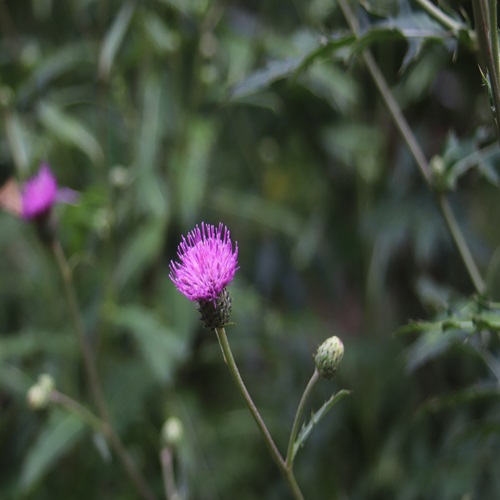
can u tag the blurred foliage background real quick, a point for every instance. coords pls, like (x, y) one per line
(166, 113)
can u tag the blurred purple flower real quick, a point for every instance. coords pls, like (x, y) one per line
(207, 263)
(40, 193)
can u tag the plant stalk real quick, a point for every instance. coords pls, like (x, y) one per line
(485, 19)
(93, 379)
(233, 369)
(418, 155)
(298, 418)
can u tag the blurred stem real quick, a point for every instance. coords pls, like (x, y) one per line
(93, 379)
(231, 364)
(167, 467)
(417, 153)
(78, 409)
(440, 16)
(298, 418)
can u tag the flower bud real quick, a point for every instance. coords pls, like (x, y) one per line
(172, 432)
(328, 357)
(38, 395)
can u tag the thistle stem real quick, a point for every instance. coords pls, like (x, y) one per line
(298, 418)
(78, 409)
(233, 369)
(93, 379)
(167, 467)
(440, 16)
(485, 20)
(418, 155)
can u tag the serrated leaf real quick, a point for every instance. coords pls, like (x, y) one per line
(315, 418)
(487, 320)
(57, 437)
(161, 348)
(435, 342)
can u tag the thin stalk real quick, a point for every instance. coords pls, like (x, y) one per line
(233, 369)
(93, 379)
(461, 244)
(167, 467)
(417, 153)
(486, 29)
(494, 37)
(298, 418)
(440, 16)
(78, 409)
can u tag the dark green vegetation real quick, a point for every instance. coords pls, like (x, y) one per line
(263, 115)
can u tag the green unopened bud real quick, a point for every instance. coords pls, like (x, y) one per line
(38, 395)
(328, 357)
(172, 432)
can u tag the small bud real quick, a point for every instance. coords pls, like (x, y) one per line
(328, 357)
(172, 432)
(38, 395)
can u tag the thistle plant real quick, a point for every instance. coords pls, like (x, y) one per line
(34, 202)
(207, 265)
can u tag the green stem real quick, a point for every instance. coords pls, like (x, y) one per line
(417, 153)
(93, 379)
(233, 369)
(461, 244)
(78, 409)
(487, 33)
(440, 16)
(298, 418)
(494, 38)
(167, 467)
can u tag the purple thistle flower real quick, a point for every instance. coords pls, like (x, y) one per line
(207, 263)
(40, 193)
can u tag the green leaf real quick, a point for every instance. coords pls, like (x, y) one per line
(14, 380)
(315, 418)
(114, 38)
(142, 247)
(17, 138)
(263, 78)
(161, 348)
(70, 130)
(29, 342)
(435, 341)
(70, 58)
(57, 437)
(192, 166)
(259, 210)
(382, 8)
(458, 399)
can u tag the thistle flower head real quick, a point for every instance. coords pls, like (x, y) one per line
(39, 193)
(207, 264)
